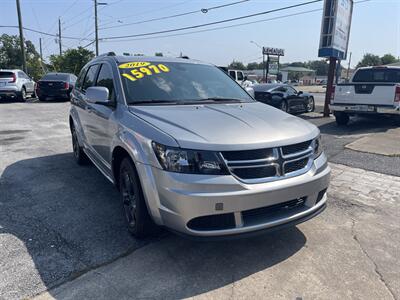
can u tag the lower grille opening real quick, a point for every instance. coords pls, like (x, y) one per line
(252, 173)
(320, 195)
(212, 222)
(257, 215)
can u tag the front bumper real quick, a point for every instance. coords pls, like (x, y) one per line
(370, 109)
(184, 203)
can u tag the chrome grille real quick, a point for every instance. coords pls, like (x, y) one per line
(270, 164)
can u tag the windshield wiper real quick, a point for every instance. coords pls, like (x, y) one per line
(222, 99)
(153, 101)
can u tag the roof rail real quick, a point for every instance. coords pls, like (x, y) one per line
(111, 53)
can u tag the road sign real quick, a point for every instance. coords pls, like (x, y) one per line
(335, 28)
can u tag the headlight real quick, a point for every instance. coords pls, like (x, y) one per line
(317, 145)
(189, 161)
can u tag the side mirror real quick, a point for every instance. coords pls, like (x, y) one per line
(245, 78)
(98, 95)
(299, 92)
(250, 91)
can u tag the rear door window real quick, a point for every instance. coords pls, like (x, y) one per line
(240, 75)
(384, 75)
(232, 74)
(90, 77)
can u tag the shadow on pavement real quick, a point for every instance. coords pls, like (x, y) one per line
(357, 125)
(70, 220)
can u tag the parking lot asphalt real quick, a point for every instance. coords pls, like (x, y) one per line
(59, 221)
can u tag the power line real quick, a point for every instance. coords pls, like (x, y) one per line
(41, 32)
(230, 26)
(203, 10)
(212, 23)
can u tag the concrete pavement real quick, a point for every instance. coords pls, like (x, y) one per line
(349, 252)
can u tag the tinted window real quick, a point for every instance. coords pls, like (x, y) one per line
(79, 82)
(377, 75)
(291, 91)
(232, 74)
(22, 75)
(240, 75)
(55, 77)
(105, 79)
(90, 77)
(6, 74)
(178, 81)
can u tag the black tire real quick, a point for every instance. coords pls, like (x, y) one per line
(79, 154)
(139, 221)
(310, 106)
(342, 119)
(22, 95)
(284, 106)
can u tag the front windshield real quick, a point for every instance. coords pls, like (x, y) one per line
(177, 82)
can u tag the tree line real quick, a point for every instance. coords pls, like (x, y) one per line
(321, 66)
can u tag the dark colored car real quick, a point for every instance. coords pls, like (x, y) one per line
(55, 86)
(284, 97)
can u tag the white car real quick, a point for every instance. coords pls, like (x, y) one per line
(16, 84)
(372, 90)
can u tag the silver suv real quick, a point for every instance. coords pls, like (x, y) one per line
(190, 150)
(16, 84)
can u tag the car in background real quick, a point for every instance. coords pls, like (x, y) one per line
(16, 84)
(371, 91)
(284, 97)
(55, 86)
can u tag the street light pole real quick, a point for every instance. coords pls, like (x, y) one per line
(59, 35)
(21, 37)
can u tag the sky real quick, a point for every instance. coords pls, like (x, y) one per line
(375, 27)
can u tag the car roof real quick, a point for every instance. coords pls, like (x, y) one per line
(58, 73)
(379, 67)
(124, 59)
(10, 70)
(267, 86)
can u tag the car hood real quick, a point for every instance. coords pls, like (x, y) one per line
(227, 126)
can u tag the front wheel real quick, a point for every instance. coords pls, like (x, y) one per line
(22, 95)
(284, 106)
(310, 107)
(139, 221)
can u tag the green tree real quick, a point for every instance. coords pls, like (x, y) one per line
(236, 65)
(71, 61)
(11, 58)
(369, 60)
(320, 67)
(388, 59)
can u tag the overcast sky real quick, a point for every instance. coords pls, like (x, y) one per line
(375, 27)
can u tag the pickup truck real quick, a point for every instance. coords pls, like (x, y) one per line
(372, 90)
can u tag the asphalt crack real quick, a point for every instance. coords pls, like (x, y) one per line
(376, 269)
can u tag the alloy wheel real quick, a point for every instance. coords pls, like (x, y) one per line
(128, 198)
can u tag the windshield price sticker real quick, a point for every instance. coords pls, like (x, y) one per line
(141, 69)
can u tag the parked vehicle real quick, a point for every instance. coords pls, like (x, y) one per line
(372, 90)
(55, 86)
(16, 84)
(190, 150)
(237, 75)
(284, 97)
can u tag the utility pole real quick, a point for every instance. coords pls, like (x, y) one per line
(348, 68)
(21, 37)
(59, 35)
(96, 30)
(41, 53)
(40, 48)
